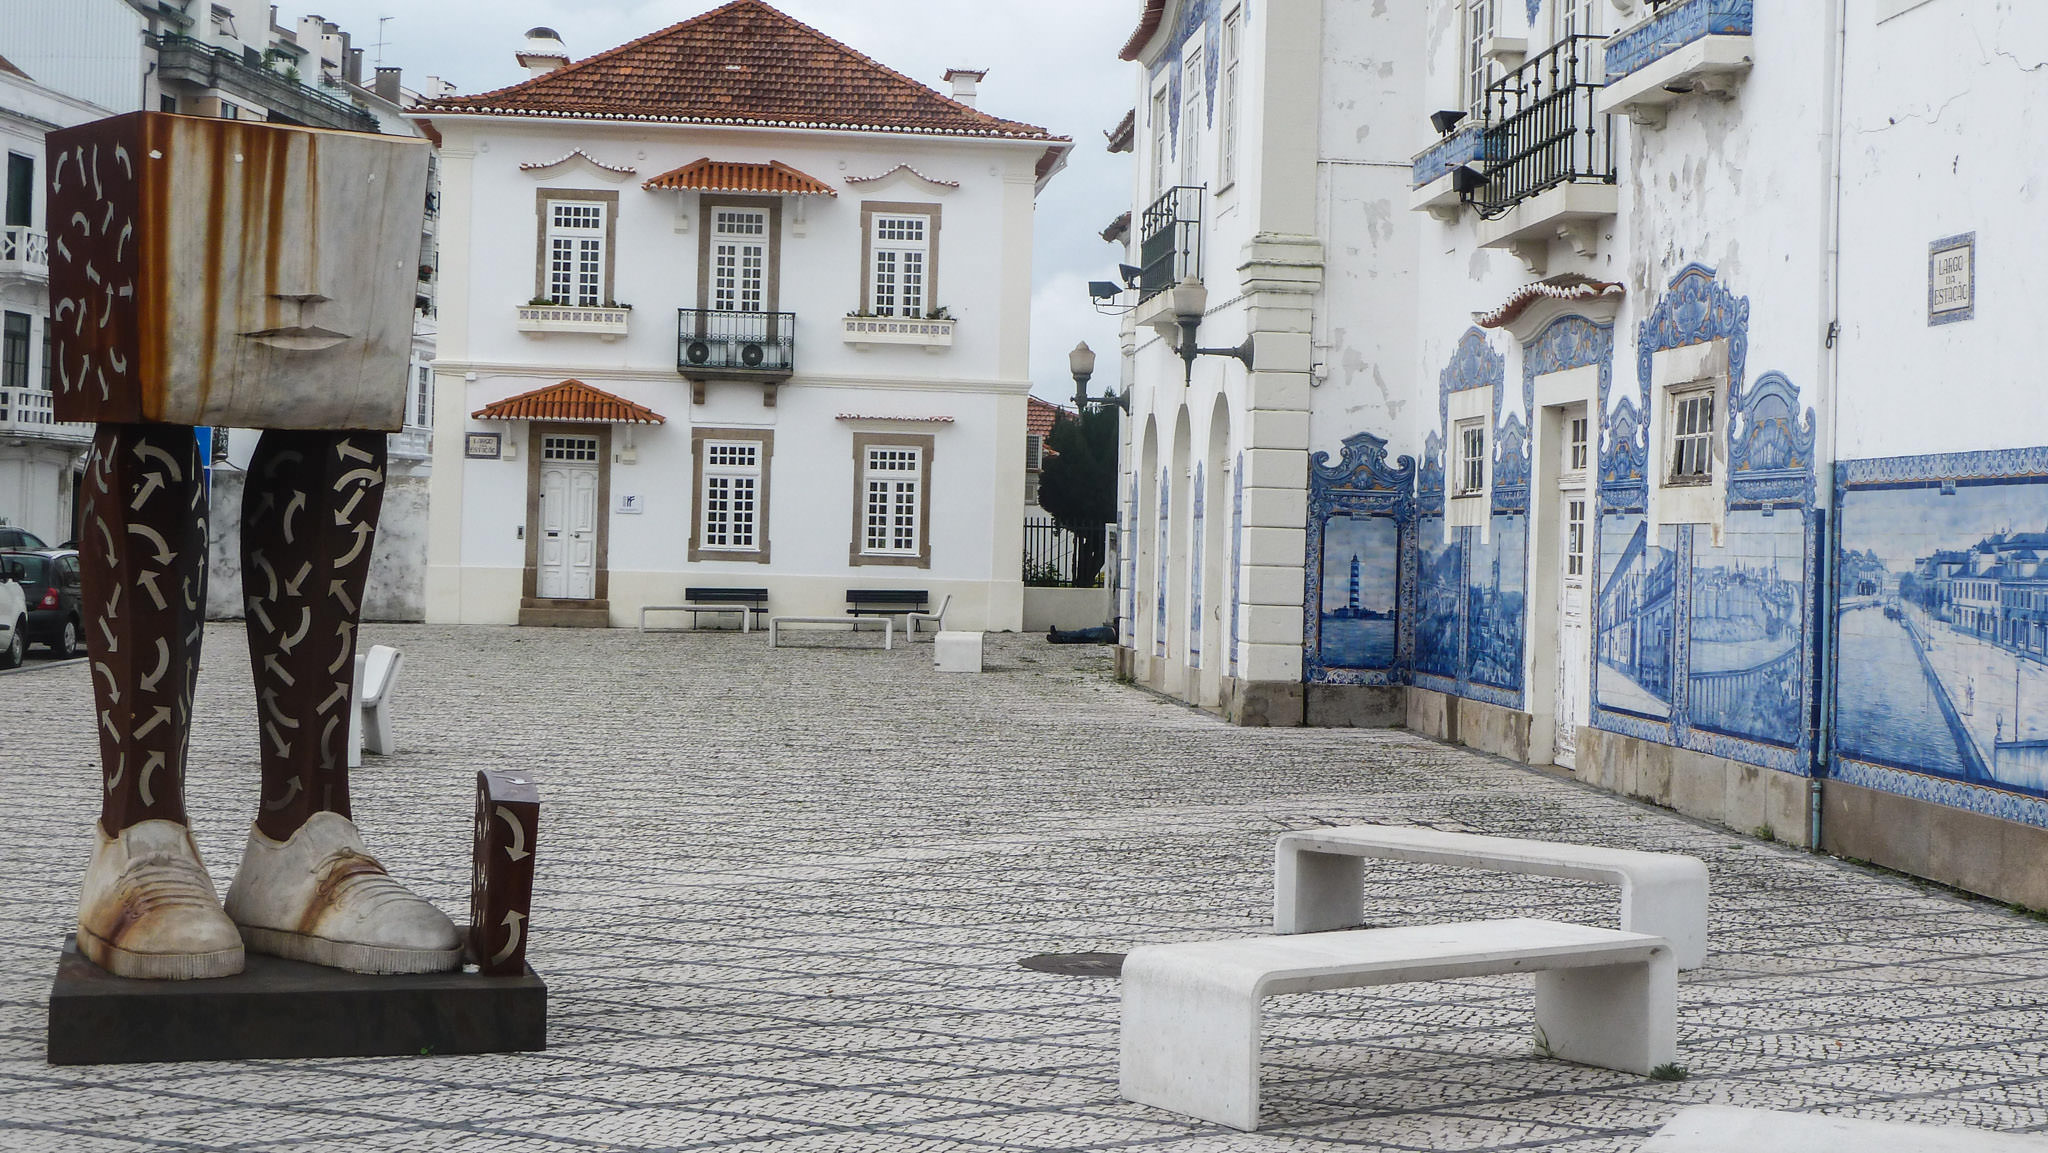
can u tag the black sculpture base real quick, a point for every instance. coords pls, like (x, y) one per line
(278, 1008)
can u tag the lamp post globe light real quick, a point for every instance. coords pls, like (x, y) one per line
(1081, 362)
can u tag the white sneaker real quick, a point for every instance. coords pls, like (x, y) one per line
(148, 909)
(321, 897)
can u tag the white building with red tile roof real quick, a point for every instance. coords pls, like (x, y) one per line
(730, 305)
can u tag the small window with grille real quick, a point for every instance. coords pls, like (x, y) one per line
(568, 448)
(1471, 462)
(1576, 449)
(1692, 436)
(892, 501)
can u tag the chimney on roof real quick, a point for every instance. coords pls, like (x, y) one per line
(964, 82)
(388, 87)
(543, 52)
(352, 67)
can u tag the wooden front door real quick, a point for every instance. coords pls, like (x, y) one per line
(568, 517)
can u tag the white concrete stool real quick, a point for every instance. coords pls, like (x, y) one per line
(956, 652)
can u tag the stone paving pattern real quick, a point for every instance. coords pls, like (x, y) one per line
(810, 942)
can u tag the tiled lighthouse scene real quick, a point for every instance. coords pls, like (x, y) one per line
(1101, 575)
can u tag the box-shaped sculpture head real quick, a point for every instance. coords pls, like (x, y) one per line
(228, 272)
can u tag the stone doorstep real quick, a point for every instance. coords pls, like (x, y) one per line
(538, 612)
(280, 1008)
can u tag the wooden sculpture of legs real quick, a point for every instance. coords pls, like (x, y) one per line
(307, 888)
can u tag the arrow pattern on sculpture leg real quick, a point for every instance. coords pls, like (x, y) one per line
(309, 522)
(145, 508)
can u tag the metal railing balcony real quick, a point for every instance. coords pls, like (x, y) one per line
(25, 251)
(715, 343)
(1170, 241)
(195, 61)
(1541, 127)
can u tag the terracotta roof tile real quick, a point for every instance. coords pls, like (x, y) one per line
(1040, 415)
(740, 63)
(708, 175)
(1568, 286)
(571, 400)
(1148, 23)
(1124, 136)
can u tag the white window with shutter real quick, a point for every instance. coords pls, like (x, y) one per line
(893, 484)
(1476, 66)
(901, 272)
(575, 252)
(1471, 472)
(729, 516)
(1193, 93)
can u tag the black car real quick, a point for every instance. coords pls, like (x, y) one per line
(49, 584)
(20, 538)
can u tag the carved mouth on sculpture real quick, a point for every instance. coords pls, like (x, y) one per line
(297, 338)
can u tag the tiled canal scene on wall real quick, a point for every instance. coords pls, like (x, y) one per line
(1747, 627)
(1943, 621)
(1440, 567)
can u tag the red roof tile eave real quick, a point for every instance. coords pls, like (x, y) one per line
(442, 114)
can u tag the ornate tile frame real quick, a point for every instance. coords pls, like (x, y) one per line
(1771, 467)
(1359, 485)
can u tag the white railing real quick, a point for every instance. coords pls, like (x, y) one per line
(898, 330)
(24, 250)
(28, 410)
(536, 318)
(415, 440)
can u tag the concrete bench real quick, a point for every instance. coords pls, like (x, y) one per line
(369, 723)
(748, 602)
(1190, 1034)
(1727, 1129)
(935, 619)
(775, 627)
(1318, 877)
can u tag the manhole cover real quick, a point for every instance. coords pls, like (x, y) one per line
(1077, 964)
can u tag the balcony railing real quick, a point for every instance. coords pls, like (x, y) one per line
(1541, 127)
(1170, 241)
(711, 343)
(608, 321)
(27, 411)
(195, 61)
(930, 333)
(25, 251)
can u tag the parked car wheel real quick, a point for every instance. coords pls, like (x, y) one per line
(66, 645)
(11, 657)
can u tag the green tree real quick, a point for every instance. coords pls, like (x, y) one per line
(1077, 485)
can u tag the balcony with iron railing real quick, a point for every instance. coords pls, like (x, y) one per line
(1549, 155)
(713, 344)
(1170, 241)
(1680, 47)
(24, 252)
(182, 59)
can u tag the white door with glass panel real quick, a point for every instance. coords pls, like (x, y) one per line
(568, 517)
(1574, 576)
(576, 264)
(902, 268)
(739, 256)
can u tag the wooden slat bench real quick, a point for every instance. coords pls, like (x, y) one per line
(886, 602)
(747, 602)
(1190, 1035)
(1318, 877)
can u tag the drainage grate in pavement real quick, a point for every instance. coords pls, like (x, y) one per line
(1077, 964)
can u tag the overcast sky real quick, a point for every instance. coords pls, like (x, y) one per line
(1050, 62)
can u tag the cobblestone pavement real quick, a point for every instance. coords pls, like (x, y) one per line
(783, 894)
